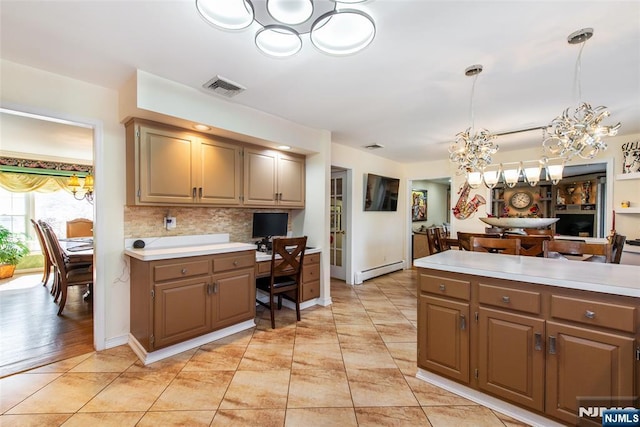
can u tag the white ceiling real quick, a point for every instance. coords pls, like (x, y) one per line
(407, 91)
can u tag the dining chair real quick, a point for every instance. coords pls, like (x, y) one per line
(617, 243)
(539, 232)
(495, 245)
(46, 255)
(599, 252)
(464, 239)
(67, 270)
(80, 227)
(530, 245)
(432, 238)
(67, 275)
(442, 240)
(287, 256)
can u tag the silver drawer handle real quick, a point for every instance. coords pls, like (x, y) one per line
(183, 271)
(590, 314)
(442, 287)
(506, 299)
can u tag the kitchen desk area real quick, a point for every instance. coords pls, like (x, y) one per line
(190, 290)
(528, 336)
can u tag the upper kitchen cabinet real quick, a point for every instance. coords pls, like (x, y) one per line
(272, 178)
(172, 166)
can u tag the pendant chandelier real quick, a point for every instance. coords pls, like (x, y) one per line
(579, 131)
(472, 150)
(332, 29)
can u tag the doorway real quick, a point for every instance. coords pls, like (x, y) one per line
(338, 226)
(50, 139)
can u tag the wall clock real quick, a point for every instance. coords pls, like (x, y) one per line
(521, 200)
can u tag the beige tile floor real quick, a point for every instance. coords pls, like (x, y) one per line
(350, 364)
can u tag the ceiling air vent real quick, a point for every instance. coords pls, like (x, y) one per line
(373, 146)
(223, 87)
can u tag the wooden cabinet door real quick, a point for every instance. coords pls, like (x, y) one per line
(218, 173)
(585, 363)
(260, 175)
(511, 357)
(234, 297)
(272, 178)
(166, 169)
(291, 184)
(182, 310)
(443, 343)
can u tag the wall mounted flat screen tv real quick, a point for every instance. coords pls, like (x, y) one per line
(380, 193)
(576, 225)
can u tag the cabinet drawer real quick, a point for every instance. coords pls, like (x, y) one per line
(607, 315)
(310, 273)
(233, 261)
(310, 290)
(444, 286)
(515, 299)
(311, 259)
(180, 270)
(263, 268)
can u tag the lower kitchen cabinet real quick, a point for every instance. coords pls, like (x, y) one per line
(233, 300)
(173, 300)
(583, 362)
(181, 311)
(444, 343)
(511, 357)
(539, 347)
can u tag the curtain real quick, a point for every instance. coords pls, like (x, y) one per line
(26, 182)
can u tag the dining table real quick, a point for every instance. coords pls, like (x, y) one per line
(79, 250)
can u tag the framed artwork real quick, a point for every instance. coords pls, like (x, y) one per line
(418, 205)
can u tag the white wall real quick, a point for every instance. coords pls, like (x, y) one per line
(36, 91)
(377, 238)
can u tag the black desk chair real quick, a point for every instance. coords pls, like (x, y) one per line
(286, 274)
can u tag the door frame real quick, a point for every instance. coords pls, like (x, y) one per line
(347, 217)
(99, 227)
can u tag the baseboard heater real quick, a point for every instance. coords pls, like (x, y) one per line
(370, 273)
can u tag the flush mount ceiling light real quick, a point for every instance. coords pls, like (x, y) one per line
(472, 150)
(579, 132)
(333, 30)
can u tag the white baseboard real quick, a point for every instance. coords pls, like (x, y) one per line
(370, 273)
(155, 356)
(491, 402)
(116, 341)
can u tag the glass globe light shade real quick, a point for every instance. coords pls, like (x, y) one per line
(511, 173)
(226, 14)
(278, 41)
(343, 32)
(291, 12)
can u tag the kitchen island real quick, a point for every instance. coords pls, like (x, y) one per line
(528, 336)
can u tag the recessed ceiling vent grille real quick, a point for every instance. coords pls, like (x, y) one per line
(223, 87)
(373, 146)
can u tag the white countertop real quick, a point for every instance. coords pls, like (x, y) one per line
(614, 279)
(152, 254)
(186, 246)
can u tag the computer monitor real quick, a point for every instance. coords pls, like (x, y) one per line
(268, 224)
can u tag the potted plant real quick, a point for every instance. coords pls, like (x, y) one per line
(12, 250)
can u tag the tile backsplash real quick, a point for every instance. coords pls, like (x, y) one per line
(148, 221)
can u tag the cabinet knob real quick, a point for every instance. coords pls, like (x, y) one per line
(235, 263)
(442, 287)
(506, 299)
(590, 314)
(183, 271)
